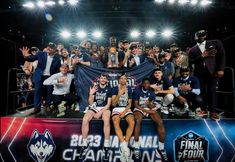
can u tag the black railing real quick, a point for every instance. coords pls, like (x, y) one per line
(226, 91)
(226, 87)
(12, 91)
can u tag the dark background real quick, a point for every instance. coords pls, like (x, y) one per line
(20, 26)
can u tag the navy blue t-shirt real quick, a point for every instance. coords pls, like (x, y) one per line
(123, 100)
(142, 96)
(191, 80)
(102, 95)
(164, 83)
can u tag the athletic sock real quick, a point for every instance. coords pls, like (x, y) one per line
(106, 143)
(137, 145)
(161, 145)
(84, 142)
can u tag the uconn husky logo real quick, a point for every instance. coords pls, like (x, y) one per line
(41, 147)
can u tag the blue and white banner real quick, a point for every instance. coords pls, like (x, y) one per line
(86, 75)
(60, 140)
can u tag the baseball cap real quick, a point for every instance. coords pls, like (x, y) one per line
(200, 33)
(125, 41)
(51, 45)
(173, 45)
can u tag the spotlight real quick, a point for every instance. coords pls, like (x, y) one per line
(41, 4)
(135, 34)
(171, 1)
(167, 33)
(29, 5)
(150, 34)
(205, 3)
(61, 2)
(97, 34)
(50, 3)
(72, 2)
(183, 2)
(159, 1)
(65, 34)
(81, 34)
(194, 2)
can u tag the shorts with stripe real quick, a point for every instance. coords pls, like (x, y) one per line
(96, 109)
(118, 110)
(142, 112)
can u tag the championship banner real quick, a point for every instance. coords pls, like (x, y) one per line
(86, 75)
(59, 140)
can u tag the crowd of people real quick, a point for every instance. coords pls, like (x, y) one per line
(182, 82)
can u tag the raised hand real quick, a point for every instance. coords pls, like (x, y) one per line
(25, 51)
(93, 89)
(127, 53)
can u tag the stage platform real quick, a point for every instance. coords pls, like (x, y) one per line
(28, 139)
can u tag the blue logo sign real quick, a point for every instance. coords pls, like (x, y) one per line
(41, 147)
(191, 147)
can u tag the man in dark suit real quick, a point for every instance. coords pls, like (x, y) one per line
(208, 59)
(48, 64)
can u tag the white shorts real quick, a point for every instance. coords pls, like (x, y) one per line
(118, 110)
(96, 109)
(142, 112)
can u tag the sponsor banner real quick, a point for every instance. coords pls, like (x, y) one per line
(54, 140)
(86, 75)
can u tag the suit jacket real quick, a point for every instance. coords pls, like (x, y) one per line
(141, 57)
(42, 61)
(213, 64)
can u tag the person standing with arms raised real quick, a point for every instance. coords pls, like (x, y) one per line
(48, 63)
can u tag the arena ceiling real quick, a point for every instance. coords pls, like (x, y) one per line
(115, 17)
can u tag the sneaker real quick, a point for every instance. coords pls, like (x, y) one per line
(35, 111)
(87, 108)
(60, 114)
(77, 109)
(157, 105)
(191, 113)
(186, 107)
(61, 108)
(83, 151)
(200, 112)
(122, 157)
(163, 155)
(214, 116)
(62, 104)
(106, 153)
(129, 159)
(164, 110)
(124, 149)
(127, 155)
(172, 108)
(137, 154)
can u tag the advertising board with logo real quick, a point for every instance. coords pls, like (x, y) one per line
(59, 140)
